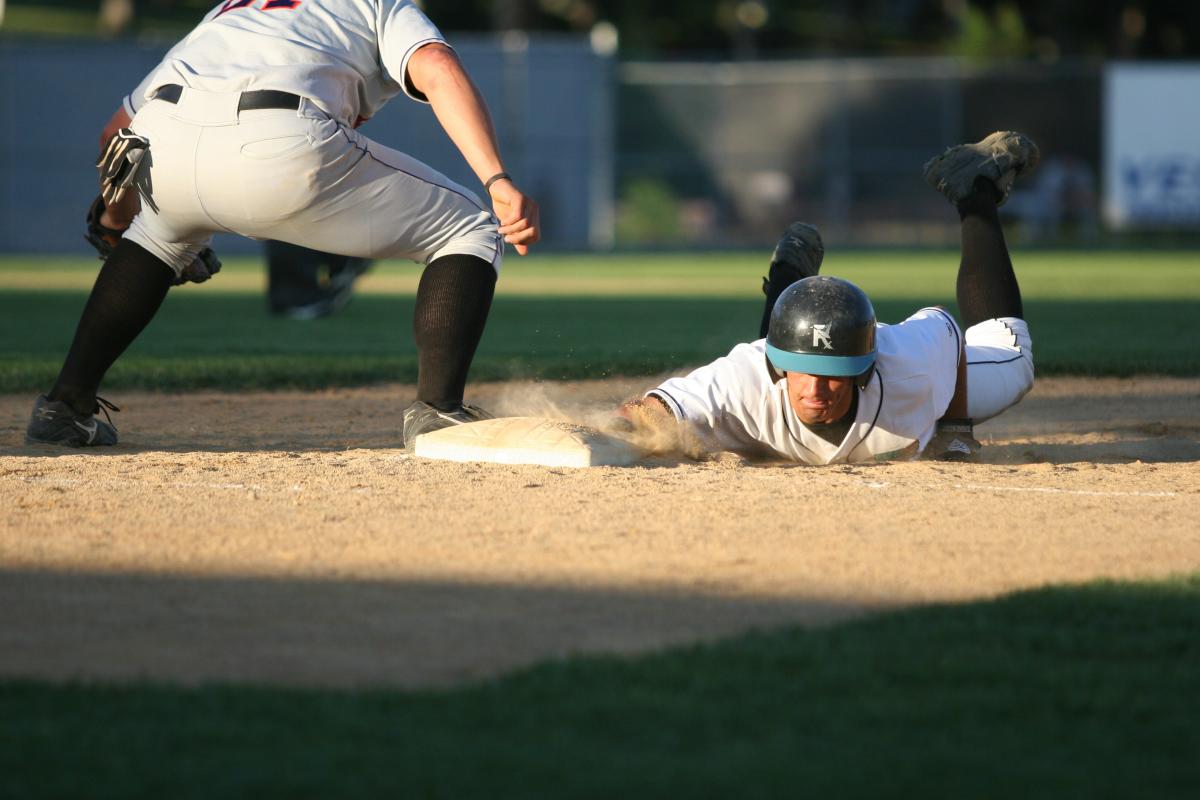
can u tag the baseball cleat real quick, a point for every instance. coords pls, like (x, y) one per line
(999, 158)
(55, 422)
(798, 255)
(421, 417)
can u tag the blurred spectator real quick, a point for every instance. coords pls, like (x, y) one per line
(308, 284)
(1060, 202)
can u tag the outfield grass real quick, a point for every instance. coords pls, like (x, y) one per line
(1097, 313)
(1089, 691)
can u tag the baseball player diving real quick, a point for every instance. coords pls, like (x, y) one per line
(829, 384)
(248, 125)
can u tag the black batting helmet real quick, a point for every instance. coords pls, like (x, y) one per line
(823, 326)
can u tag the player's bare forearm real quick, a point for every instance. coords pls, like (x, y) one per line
(436, 72)
(119, 119)
(958, 401)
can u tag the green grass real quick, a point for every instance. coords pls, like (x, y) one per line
(1097, 313)
(1087, 691)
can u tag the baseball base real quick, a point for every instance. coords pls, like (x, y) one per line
(526, 440)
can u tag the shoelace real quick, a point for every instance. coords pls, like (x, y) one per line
(106, 406)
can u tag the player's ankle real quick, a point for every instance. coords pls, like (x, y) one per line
(81, 402)
(984, 197)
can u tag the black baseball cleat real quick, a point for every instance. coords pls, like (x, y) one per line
(999, 158)
(420, 417)
(55, 422)
(798, 255)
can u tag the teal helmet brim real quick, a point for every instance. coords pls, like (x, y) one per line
(809, 364)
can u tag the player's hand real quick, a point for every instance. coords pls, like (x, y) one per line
(648, 410)
(120, 119)
(518, 215)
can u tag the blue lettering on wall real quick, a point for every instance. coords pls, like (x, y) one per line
(1162, 188)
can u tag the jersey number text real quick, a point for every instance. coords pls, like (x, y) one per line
(268, 5)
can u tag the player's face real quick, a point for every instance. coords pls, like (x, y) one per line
(819, 399)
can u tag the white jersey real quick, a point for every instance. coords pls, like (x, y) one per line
(737, 403)
(348, 57)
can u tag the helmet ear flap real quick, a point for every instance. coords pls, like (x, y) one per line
(865, 377)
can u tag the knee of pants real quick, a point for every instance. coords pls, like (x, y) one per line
(482, 241)
(999, 366)
(176, 255)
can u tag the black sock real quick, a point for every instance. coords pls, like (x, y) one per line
(128, 291)
(453, 300)
(987, 287)
(773, 286)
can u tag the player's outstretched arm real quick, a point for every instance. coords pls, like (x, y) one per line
(436, 72)
(649, 408)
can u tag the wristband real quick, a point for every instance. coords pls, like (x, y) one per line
(499, 176)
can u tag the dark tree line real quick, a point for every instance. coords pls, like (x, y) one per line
(773, 28)
(1039, 29)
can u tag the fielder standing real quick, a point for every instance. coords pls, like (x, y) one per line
(828, 384)
(248, 126)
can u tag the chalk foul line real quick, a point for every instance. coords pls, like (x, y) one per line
(980, 487)
(1049, 490)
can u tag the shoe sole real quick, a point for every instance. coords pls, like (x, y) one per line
(29, 440)
(999, 157)
(804, 241)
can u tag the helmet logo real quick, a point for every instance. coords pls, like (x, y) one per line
(821, 336)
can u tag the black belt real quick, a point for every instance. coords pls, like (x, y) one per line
(249, 101)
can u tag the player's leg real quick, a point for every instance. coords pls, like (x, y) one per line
(127, 294)
(998, 347)
(377, 202)
(453, 301)
(798, 255)
(977, 179)
(163, 241)
(987, 286)
(305, 284)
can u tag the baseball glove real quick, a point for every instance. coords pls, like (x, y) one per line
(105, 240)
(99, 235)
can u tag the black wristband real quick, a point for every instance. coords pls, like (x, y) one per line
(499, 176)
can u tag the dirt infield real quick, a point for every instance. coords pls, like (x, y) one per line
(286, 538)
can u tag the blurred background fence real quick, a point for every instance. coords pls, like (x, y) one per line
(729, 153)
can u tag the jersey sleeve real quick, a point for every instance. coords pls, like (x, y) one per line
(722, 400)
(403, 30)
